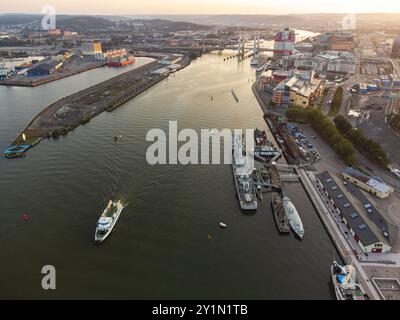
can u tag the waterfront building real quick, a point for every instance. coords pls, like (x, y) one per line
(172, 59)
(280, 95)
(284, 44)
(44, 68)
(368, 237)
(303, 90)
(372, 185)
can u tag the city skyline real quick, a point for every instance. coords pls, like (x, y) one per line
(156, 7)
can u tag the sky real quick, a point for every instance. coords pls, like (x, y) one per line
(137, 7)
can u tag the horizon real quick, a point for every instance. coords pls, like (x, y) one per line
(201, 14)
(205, 7)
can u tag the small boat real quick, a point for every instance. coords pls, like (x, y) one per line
(345, 283)
(16, 151)
(108, 220)
(235, 96)
(223, 225)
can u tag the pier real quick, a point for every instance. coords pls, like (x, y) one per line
(77, 109)
(308, 180)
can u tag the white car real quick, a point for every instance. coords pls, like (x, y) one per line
(396, 172)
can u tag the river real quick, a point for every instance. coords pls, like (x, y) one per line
(161, 247)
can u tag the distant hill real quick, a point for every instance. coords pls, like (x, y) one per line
(77, 23)
(81, 23)
(267, 20)
(169, 26)
(17, 18)
(87, 22)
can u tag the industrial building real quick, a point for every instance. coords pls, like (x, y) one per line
(44, 68)
(368, 240)
(327, 62)
(372, 185)
(93, 51)
(172, 59)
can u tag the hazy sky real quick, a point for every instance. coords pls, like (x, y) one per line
(200, 6)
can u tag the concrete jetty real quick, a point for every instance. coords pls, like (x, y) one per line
(70, 112)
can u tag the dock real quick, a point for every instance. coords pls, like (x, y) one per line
(77, 109)
(38, 81)
(308, 180)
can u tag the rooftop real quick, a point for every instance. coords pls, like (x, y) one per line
(355, 221)
(374, 182)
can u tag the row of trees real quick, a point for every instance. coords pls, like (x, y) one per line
(336, 102)
(395, 122)
(321, 124)
(369, 148)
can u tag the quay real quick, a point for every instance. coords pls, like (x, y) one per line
(38, 81)
(310, 184)
(77, 109)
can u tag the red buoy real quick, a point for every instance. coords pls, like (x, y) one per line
(25, 217)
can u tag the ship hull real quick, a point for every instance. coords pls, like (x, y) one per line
(294, 218)
(122, 63)
(251, 206)
(280, 220)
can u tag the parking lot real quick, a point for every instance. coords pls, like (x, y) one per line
(306, 146)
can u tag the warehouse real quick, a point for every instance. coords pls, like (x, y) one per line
(374, 186)
(45, 68)
(368, 241)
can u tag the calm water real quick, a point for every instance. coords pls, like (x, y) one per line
(160, 248)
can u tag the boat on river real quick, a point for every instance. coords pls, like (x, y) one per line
(108, 220)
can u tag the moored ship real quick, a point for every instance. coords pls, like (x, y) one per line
(119, 58)
(345, 283)
(279, 213)
(242, 175)
(294, 218)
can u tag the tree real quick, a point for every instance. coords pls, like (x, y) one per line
(336, 101)
(343, 125)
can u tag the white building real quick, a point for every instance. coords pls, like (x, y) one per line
(374, 186)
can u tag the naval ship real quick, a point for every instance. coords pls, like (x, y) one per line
(294, 218)
(345, 283)
(242, 175)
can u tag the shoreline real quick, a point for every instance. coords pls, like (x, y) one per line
(38, 82)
